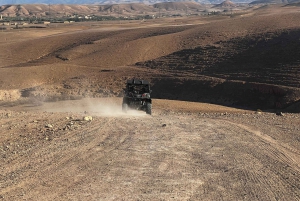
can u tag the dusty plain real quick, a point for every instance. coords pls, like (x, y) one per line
(218, 82)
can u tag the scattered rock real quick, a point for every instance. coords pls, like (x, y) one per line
(49, 126)
(88, 118)
(279, 114)
(164, 125)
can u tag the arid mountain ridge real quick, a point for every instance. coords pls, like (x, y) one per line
(12, 8)
(132, 9)
(13, 2)
(4, 2)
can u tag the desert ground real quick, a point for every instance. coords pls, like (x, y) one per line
(225, 122)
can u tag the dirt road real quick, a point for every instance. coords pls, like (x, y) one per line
(171, 155)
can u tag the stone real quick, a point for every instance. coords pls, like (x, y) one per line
(49, 126)
(88, 118)
(279, 113)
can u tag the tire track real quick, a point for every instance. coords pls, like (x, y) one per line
(49, 154)
(131, 158)
(282, 151)
(277, 160)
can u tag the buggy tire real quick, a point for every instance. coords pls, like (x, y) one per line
(149, 108)
(125, 107)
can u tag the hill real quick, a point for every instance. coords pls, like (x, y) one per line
(55, 10)
(275, 2)
(97, 2)
(247, 60)
(178, 5)
(59, 10)
(226, 4)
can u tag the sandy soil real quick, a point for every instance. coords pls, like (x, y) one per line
(50, 153)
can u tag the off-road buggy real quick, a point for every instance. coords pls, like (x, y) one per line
(137, 96)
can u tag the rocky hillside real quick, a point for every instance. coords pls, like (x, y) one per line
(241, 60)
(275, 2)
(109, 9)
(226, 4)
(3, 2)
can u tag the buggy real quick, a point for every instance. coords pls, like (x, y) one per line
(137, 96)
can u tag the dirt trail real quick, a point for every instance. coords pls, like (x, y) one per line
(185, 150)
(171, 155)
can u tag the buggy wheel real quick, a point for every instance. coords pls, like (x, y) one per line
(125, 107)
(148, 108)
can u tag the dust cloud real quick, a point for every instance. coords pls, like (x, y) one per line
(92, 106)
(9, 95)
